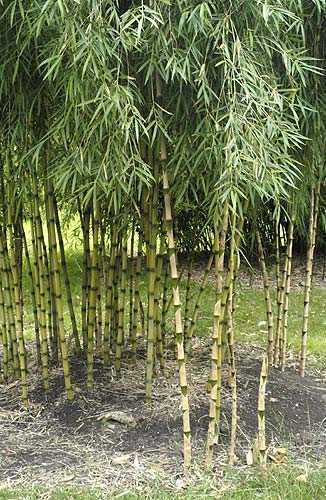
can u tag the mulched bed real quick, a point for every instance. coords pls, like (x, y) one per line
(57, 442)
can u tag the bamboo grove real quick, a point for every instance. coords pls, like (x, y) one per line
(152, 123)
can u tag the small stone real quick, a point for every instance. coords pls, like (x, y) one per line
(303, 478)
(121, 460)
(120, 417)
(179, 484)
(69, 477)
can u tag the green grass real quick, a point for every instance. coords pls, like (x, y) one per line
(278, 483)
(249, 317)
(251, 313)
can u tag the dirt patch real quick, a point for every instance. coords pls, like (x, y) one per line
(57, 441)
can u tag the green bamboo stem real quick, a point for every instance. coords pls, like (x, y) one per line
(9, 308)
(116, 282)
(109, 298)
(10, 281)
(91, 317)
(100, 273)
(84, 221)
(50, 215)
(40, 296)
(132, 286)
(151, 271)
(3, 333)
(15, 265)
(121, 308)
(313, 223)
(49, 278)
(51, 308)
(66, 278)
(33, 296)
(136, 304)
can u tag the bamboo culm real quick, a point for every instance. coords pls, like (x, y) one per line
(268, 300)
(313, 223)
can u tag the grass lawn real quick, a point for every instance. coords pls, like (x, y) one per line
(290, 483)
(250, 313)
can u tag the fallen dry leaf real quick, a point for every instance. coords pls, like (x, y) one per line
(278, 455)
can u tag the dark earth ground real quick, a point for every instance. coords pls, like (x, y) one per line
(61, 443)
(57, 442)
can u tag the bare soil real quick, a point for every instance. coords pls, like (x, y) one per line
(57, 442)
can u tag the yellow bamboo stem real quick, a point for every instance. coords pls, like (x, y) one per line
(268, 300)
(92, 305)
(177, 314)
(261, 412)
(283, 337)
(308, 279)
